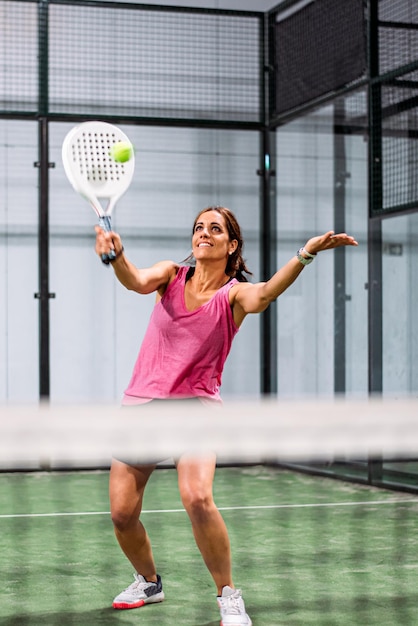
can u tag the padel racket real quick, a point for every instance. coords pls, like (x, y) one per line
(93, 172)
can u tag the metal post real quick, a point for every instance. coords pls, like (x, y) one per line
(268, 261)
(43, 200)
(340, 297)
(375, 304)
(268, 247)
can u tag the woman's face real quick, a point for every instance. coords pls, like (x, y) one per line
(210, 238)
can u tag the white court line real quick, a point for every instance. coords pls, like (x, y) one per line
(226, 508)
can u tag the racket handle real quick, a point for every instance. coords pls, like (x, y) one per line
(105, 224)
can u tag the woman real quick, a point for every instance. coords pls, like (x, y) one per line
(197, 314)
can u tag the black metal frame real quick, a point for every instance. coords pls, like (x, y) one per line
(375, 202)
(43, 206)
(340, 298)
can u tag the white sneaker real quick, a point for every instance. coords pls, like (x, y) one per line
(139, 593)
(232, 608)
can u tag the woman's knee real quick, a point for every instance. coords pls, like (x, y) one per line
(199, 505)
(126, 491)
(123, 520)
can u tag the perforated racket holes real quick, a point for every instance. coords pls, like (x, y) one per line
(91, 151)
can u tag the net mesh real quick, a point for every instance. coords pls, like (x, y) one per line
(306, 549)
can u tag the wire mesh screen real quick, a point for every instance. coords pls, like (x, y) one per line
(18, 56)
(399, 147)
(318, 49)
(147, 63)
(398, 34)
(395, 105)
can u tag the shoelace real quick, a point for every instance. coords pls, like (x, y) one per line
(232, 605)
(139, 584)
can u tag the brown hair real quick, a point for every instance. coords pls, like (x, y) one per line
(236, 264)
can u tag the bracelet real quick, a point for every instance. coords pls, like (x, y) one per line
(117, 255)
(302, 259)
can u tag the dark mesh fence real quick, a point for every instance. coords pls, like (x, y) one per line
(398, 34)
(395, 104)
(318, 49)
(399, 147)
(150, 63)
(127, 61)
(18, 56)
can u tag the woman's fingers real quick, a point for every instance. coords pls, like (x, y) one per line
(329, 240)
(104, 241)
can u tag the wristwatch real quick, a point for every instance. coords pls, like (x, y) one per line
(302, 259)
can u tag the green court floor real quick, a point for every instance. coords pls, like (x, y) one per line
(306, 551)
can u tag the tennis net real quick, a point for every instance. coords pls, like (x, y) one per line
(306, 548)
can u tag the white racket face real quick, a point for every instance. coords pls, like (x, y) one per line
(90, 168)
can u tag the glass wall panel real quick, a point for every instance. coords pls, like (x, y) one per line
(400, 303)
(400, 323)
(307, 176)
(322, 185)
(19, 376)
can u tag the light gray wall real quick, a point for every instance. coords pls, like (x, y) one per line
(19, 262)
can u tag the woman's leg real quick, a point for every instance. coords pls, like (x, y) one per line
(195, 476)
(126, 489)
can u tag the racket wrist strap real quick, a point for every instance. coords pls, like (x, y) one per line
(117, 255)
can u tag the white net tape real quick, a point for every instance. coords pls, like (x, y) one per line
(240, 431)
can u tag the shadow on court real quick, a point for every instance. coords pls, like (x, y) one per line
(394, 611)
(101, 617)
(104, 617)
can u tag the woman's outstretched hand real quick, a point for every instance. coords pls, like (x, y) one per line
(328, 241)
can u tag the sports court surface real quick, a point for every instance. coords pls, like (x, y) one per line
(306, 550)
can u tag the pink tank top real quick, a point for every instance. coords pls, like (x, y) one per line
(183, 352)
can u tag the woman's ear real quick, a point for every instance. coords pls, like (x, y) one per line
(233, 245)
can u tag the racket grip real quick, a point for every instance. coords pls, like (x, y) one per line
(105, 224)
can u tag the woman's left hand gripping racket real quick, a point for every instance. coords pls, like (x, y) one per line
(93, 171)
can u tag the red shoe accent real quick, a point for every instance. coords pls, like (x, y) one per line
(127, 605)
